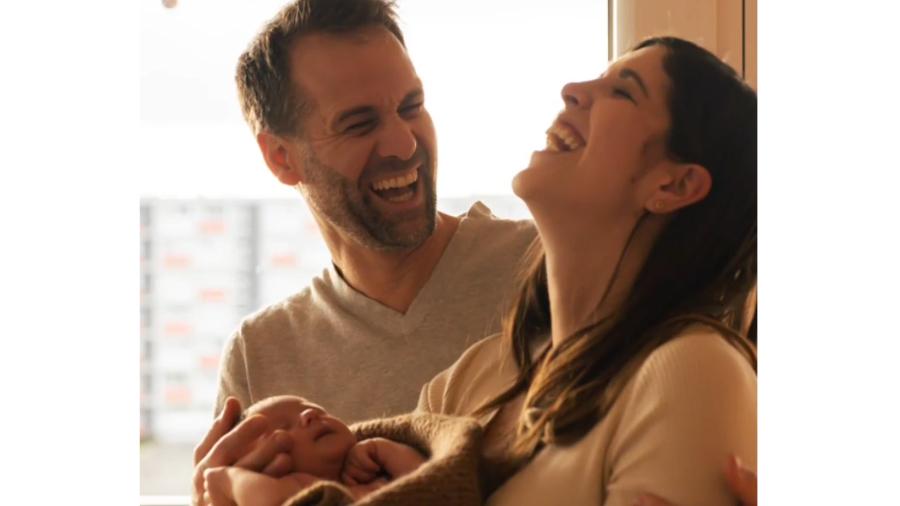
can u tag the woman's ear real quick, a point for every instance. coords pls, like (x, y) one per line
(280, 156)
(683, 185)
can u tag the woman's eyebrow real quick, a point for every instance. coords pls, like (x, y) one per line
(627, 73)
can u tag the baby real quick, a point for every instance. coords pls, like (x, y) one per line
(325, 448)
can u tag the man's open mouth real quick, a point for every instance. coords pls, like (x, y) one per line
(400, 187)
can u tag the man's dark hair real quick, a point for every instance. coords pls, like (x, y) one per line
(268, 100)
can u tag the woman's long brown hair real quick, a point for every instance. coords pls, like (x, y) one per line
(700, 269)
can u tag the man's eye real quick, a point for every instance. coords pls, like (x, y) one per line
(362, 126)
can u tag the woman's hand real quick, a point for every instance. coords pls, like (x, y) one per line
(233, 486)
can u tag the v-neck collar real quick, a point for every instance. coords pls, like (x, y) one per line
(394, 321)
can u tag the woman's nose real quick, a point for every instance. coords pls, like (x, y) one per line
(308, 415)
(576, 95)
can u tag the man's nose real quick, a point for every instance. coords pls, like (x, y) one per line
(307, 416)
(396, 139)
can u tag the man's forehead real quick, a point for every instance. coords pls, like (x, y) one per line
(368, 68)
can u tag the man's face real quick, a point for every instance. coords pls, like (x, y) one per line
(368, 143)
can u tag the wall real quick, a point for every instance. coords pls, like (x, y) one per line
(725, 27)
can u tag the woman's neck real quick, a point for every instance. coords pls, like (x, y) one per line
(588, 276)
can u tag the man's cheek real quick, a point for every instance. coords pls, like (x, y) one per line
(349, 160)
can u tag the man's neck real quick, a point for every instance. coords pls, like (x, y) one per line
(393, 278)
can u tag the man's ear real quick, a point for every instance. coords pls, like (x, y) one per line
(281, 157)
(682, 185)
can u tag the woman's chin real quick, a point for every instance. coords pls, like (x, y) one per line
(525, 184)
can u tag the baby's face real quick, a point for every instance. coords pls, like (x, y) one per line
(321, 441)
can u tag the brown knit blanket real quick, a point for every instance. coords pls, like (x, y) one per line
(450, 476)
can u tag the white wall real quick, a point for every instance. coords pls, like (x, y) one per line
(725, 27)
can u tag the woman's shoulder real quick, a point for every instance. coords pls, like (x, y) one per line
(690, 404)
(699, 350)
(696, 372)
(481, 372)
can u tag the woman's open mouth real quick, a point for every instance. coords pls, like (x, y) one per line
(561, 137)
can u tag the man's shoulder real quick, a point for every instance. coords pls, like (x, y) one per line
(285, 317)
(480, 216)
(494, 235)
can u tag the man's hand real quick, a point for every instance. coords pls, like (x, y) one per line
(228, 445)
(231, 486)
(741, 480)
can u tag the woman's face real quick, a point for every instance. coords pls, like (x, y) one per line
(609, 137)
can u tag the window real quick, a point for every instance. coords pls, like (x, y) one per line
(220, 237)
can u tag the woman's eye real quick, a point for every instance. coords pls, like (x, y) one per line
(411, 109)
(619, 92)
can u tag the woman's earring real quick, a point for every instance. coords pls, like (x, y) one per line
(658, 205)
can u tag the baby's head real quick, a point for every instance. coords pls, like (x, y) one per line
(321, 441)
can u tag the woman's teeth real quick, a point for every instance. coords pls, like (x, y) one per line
(563, 138)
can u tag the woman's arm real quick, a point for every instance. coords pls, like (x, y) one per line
(691, 405)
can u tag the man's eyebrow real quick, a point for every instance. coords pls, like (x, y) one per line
(356, 111)
(628, 73)
(416, 94)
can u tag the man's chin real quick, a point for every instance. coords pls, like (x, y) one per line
(406, 235)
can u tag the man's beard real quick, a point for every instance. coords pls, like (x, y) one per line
(350, 209)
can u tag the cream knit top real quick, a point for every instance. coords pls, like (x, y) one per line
(688, 406)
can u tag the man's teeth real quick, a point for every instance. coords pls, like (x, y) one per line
(562, 138)
(396, 182)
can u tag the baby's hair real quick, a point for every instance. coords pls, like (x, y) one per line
(262, 403)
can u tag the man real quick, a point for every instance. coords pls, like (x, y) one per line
(338, 112)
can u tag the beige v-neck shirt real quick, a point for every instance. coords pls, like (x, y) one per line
(689, 405)
(361, 359)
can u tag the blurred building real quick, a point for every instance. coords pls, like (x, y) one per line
(206, 264)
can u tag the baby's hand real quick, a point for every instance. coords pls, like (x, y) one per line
(360, 491)
(361, 465)
(372, 457)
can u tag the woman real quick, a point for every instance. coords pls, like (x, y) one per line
(622, 368)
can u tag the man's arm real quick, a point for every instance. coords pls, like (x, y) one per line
(233, 380)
